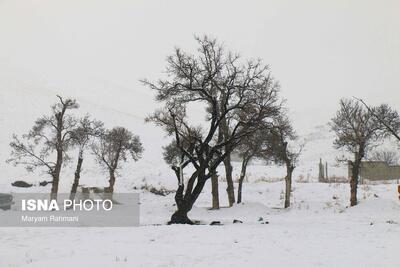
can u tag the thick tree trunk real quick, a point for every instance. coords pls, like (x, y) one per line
(288, 182)
(241, 179)
(354, 183)
(185, 202)
(77, 177)
(354, 175)
(180, 217)
(183, 207)
(230, 189)
(214, 191)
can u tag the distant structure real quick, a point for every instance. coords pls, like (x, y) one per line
(321, 176)
(326, 171)
(323, 173)
(377, 171)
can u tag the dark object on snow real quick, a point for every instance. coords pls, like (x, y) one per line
(44, 183)
(237, 221)
(6, 200)
(266, 222)
(159, 192)
(260, 219)
(181, 221)
(21, 184)
(215, 223)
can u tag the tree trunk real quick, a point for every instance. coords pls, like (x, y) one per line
(229, 180)
(354, 175)
(183, 207)
(75, 185)
(185, 203)
(214, 191)
(111, 181)
(224, 129)
(354, 183)
(56, 175)
(59, 149)
(241, 179)
(288, 189)
(180, 217)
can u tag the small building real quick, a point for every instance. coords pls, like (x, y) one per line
(377, 171)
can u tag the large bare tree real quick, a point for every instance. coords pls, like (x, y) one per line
(357, 131)
(115, 146)
(50, 137)
(250, 96)
(82, 135)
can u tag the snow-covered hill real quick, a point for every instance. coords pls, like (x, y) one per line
(24, 98)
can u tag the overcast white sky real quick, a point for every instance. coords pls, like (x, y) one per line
(320, 51)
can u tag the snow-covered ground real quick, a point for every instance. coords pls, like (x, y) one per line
(318, 230)
(96, 51)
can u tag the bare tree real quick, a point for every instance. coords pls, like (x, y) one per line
(215, 177)
(251, 95)
(225, 130)
(114, 146)
(357, 131)
(281, 152)
(253, 147)
(81, 136)
(388, 156)
(50, 134)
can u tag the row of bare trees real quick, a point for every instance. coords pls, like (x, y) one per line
(359, 128)
(243, 114)
(48, 145)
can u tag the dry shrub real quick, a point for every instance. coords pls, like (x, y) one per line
(302, 179)
(338, 179)
(269, 179)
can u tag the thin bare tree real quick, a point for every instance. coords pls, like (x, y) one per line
(115, 146)
(255, 146)
(282, 150)
(389, 156)
(85, 131)
(51, 136)
(357, 131)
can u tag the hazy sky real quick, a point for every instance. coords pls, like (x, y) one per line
(320, 51)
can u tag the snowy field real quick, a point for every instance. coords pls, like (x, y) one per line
(318, 230)
(97, 51)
